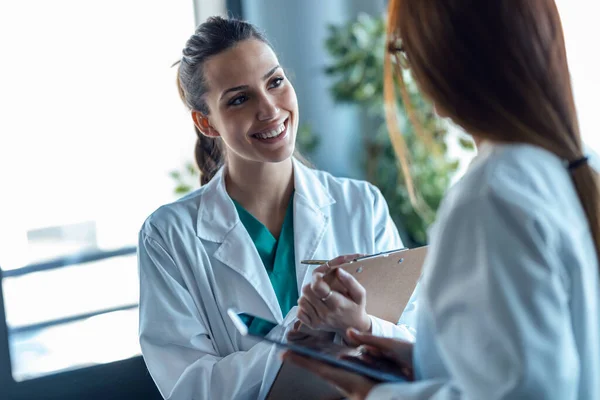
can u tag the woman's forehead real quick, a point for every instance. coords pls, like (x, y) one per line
(244, 64)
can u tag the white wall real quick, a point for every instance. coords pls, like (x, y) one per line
(582, 35)
(208, 8)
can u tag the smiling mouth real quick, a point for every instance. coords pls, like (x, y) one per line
(272, 133)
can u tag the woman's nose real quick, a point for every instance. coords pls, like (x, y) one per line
(267, 109)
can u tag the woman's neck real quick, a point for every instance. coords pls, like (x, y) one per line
(263, 189)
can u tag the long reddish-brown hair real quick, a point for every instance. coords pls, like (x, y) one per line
(498, 69)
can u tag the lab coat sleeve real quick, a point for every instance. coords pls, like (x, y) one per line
(387, 238)
(176, 344)
(385, 232)
(500, 308)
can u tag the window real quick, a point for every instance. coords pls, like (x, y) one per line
(91, 127)
(71, 317)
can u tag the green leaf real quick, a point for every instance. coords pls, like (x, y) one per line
(357, 50)
(466, 144)
(191, 169)
(183, 189)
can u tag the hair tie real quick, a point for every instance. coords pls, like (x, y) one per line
(577, 163)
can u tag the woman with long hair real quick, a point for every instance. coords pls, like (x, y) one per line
(509, 300)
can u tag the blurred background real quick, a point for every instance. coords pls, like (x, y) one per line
(93, 138)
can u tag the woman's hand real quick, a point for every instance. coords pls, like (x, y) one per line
(322, 307)
(400, 352)
(301, 334)
(357, 387)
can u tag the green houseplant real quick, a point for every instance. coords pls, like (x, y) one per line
(357, 49)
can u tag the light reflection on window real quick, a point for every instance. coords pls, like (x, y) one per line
(97, 340)
(92, 126)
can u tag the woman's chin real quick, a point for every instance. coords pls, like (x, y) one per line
(278, 154)
(281, 155)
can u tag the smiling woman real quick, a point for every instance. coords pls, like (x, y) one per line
(237, 242)
(245, 77)
(257, 119)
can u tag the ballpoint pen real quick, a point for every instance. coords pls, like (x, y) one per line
(313, 262)
(321, 262)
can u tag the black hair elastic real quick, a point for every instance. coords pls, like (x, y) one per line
(577, 163)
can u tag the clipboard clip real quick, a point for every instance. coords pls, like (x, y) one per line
(382, 254)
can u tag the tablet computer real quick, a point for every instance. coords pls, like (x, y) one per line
(337, 355)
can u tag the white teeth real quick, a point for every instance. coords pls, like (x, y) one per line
(272, 133)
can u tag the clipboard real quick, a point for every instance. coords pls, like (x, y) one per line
(389, 279)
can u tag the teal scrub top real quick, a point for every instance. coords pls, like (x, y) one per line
(278, 259)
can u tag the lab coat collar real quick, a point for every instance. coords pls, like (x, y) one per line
(308, 186)
(217, 211)
(219, 222)
(311, 217)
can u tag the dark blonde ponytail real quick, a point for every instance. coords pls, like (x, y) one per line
(208, 152)
(209, 156)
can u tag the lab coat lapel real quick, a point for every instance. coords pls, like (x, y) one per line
(311, 217)
(219, 222)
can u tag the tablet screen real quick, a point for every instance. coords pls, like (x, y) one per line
(325, 350)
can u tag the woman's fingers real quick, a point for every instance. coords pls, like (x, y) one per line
(319, 306)
(400, 350)
(355, 290)
(335, 262)
(307, 308)
(322, 269)
(343, 259)
(368, 339)
(318, 286)
(304, 318)
(371, 350)
(327, 301)
(297, 325)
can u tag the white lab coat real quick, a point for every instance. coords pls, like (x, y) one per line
(509, 303)
(196, 260)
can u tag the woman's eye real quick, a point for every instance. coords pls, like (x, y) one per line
(276, 82)
(236, 101)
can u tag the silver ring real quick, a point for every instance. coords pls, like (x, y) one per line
(324, 299)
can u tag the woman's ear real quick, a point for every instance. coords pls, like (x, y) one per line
(203, 124)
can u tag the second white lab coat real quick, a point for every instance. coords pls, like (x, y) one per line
(196, 260)
(510, 294)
